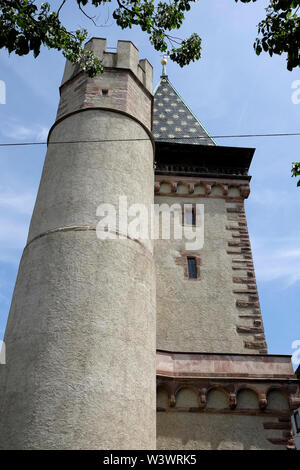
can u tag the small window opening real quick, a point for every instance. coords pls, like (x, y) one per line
(190, 217)
(104, 92)
(192, 268)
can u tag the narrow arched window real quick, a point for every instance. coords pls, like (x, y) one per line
(192, 268)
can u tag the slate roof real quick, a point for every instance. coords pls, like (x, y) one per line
(173, 121)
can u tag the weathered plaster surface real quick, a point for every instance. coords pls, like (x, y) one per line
(80, 338)
(75, 339)
(78, 177)
(198, 316)
(195, 431)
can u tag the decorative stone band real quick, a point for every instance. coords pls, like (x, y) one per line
(201, 187)
(196, 375)
(184, 364)
(87, 109)
(243, 277)
(81, 228)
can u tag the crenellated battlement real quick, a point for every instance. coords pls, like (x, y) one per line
(125, 57)
(125, 84)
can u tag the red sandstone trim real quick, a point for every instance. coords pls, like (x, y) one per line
(182, 260)
(239, 246)
(80, 228)
(231, 388)
(192, 182)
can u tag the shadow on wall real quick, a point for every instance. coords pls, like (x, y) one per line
(191, 421)
(217, 398)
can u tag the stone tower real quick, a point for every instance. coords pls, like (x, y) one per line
(80, 339)
(217, 386)
(81, 335)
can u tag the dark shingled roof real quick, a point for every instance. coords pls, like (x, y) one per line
(173, 121)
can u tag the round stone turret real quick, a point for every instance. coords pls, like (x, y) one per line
(80, 338)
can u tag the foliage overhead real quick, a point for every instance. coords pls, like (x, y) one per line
(296, 171)
(25, 27)
(279, 32)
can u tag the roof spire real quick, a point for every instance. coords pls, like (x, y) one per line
(164, 63)
(173, 121)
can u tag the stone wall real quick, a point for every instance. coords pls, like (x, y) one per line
(195, 431)
(222, 401)
(80, 337)
(220, 312)
(125, 85)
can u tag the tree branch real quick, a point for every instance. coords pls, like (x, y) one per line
(64, 1)
(89, 17)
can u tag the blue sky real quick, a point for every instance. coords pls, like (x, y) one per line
(231, 90)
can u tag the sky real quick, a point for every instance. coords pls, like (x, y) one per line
(230, 89)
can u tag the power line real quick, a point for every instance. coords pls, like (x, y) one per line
(287, 134)
(70, 142)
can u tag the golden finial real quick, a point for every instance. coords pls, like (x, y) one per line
(164, 63)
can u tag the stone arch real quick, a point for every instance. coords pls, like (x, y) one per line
(165, 187)
(217, 190)
(187, 397)
(233, 191)
(199, 188)
(277, 399)
(247, 398)
(183, 187)
(217, 397)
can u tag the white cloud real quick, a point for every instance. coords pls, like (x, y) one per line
(15, 130)
(31, 73)
(4, 300)
(277, 259)
(13, 236)
(15, 210)
(273, 197)
(13, 233)
(20, 203)
(11, 256)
